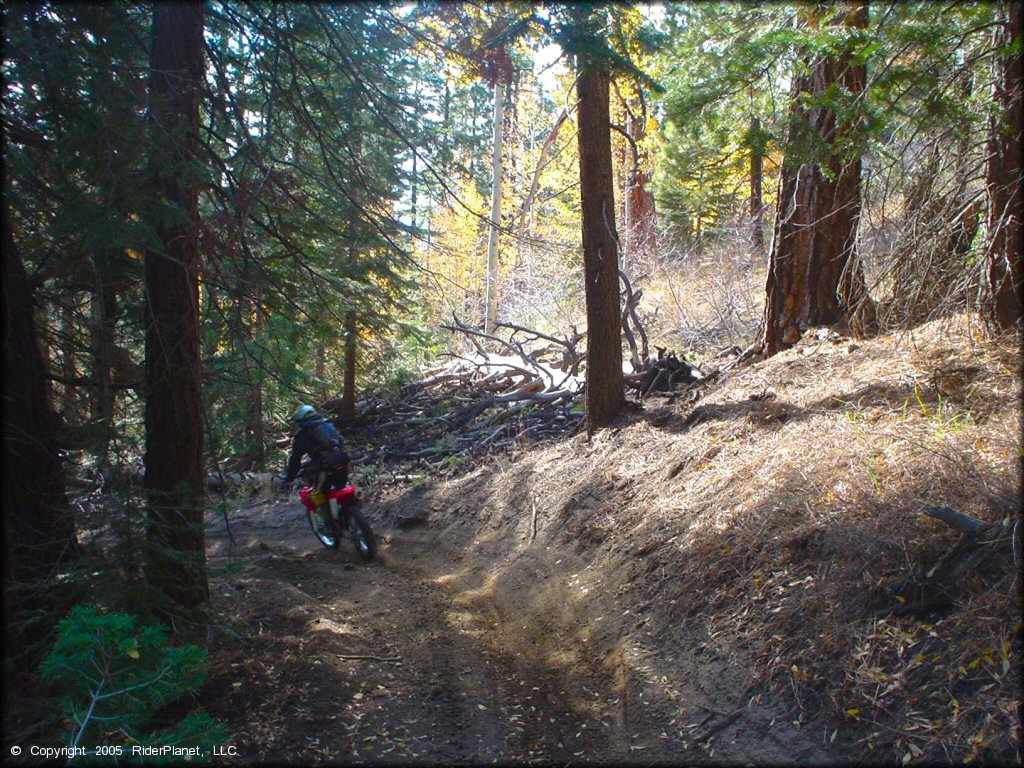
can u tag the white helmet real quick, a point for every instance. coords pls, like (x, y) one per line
(302, 413)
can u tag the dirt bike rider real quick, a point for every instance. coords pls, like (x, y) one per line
(321, 440)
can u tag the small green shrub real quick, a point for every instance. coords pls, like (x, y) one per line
(452, 461)
(114, 675)
(944, 417)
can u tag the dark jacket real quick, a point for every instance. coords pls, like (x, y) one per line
(315, 437)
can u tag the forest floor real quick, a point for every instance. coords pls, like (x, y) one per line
(720, 579)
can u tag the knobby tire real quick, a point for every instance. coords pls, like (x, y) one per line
(362, 535)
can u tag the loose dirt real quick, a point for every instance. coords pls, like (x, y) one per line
(384, 662)
(436, 654)
(405, 659)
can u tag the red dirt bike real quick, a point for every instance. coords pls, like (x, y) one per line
(346, 519)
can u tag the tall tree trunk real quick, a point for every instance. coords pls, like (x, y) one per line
(645, 221)
(756, 195)
(840, 286)
(413, 192)
(491, 303)
(1006, 176)
(785, 286)
(259, 437)
(348, 393)
(102, 324)
(39, 530)
(628, 162)
(814, 276)
(69, 367)
(176, 553)
(414, 180)
(642, 222)
(600, 253)
(246, 330)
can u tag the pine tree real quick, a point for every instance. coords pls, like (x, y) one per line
(604, 385)
(309, 133)
(39, 530)
(721, 65)
(1006, 173)
(175, 480)
(814, 277)
(72, 112)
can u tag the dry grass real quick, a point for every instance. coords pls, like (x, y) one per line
(810, 507)
(781, 513)
(704, 300)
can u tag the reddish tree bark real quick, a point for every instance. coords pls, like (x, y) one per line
(788, 263)
(176, 552)
(814, 277)
(600, 252)
(1005, 177)
(637, 200)
(643, 221)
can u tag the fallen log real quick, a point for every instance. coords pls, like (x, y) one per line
(965, 552)
(980, 545)
(537, 397)
(419, 386)
(498, 392)
(963, 523)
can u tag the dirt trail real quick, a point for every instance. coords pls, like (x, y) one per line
(401, 660)
(466, 643)
(469, 642)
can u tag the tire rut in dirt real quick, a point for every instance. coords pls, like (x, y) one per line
(377, 663)
(494, 684)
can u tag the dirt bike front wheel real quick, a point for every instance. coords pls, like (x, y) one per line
(323, 530)
(361, 534)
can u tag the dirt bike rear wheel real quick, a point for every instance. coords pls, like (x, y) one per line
(361, 534)
(323, 529)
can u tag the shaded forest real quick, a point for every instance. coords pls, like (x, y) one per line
(458, 229)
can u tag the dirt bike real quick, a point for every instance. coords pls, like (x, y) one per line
(346, 519)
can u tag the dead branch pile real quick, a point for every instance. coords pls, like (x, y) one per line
(525, 386)
(664, 373)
